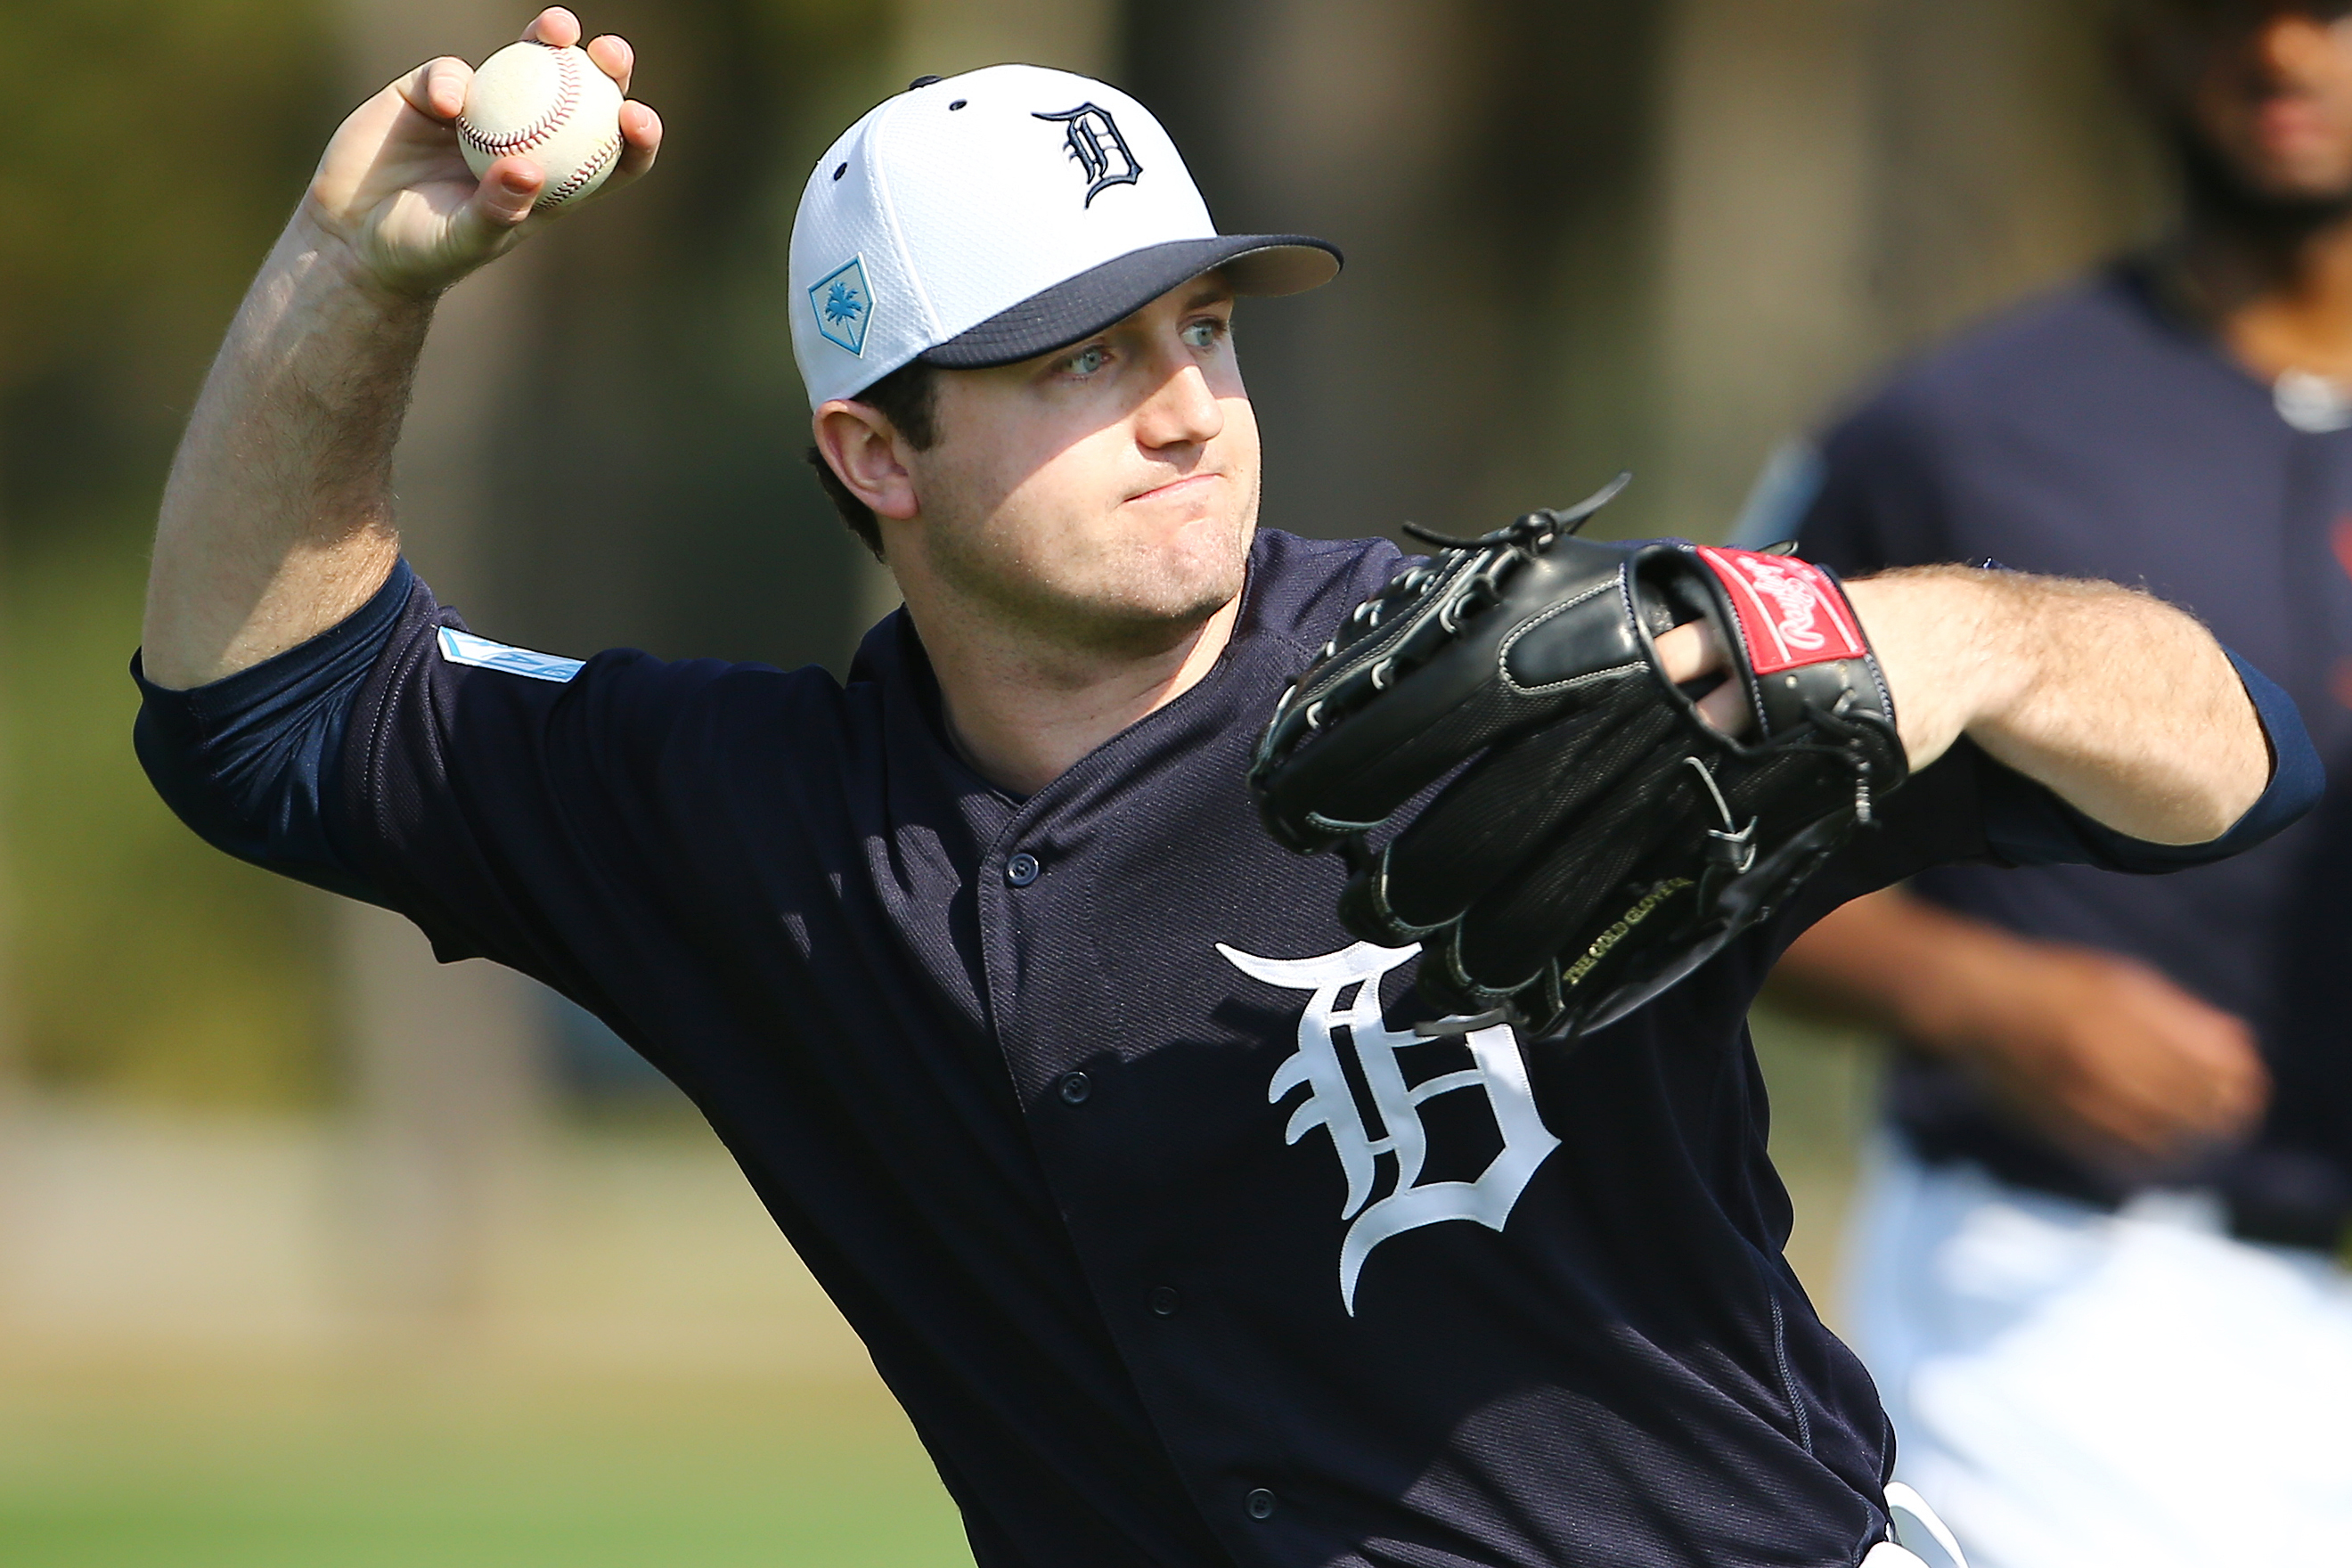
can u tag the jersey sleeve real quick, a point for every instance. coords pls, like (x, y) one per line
(496, 796)
(253, 762)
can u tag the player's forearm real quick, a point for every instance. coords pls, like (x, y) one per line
(277, 520)
(2121, 704)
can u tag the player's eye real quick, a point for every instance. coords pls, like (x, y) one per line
(1206, 332)
(1087, 361)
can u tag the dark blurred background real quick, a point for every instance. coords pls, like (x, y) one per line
(375, 1229)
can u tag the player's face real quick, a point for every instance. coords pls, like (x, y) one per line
(2266, 87)
(1104, 493)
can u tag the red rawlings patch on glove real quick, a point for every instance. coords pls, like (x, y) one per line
(1789, 610)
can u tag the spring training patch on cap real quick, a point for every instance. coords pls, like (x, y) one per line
(843, 305)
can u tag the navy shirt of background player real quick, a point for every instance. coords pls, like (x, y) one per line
(1178, 1245)
(2089, 435)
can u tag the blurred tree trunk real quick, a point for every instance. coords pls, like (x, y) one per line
(1763, 313)
(15, 1080)
(1845, 180)
(2006, 157)
(448, 1071)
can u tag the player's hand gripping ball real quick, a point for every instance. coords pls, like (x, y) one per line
(552, 106)
(1603, 840)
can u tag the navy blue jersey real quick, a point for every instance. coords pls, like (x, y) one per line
(2090, 434)
(1179, 1246)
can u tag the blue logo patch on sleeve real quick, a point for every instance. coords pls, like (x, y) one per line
(843, 305)
(481, 653)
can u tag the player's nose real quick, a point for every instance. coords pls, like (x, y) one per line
(2292, 47)
(1182, 410)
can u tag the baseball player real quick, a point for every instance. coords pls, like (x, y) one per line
(2093, 1270)
(1179, 1240)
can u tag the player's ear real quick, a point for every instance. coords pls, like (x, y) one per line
(869, 456)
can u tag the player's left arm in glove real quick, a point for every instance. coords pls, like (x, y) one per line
(1607, 822)
(2120, 704)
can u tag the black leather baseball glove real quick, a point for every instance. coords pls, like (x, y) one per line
(1602, 840)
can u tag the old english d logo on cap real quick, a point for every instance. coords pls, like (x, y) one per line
(843, 305)
(1093, 139)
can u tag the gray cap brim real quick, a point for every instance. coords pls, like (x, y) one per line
(1262, 264)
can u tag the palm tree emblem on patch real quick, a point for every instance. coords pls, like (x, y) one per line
(842, 305)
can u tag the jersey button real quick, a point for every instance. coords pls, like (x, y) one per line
(1261, 1504)
(1022, 870)
(1075, 1086)
(1165, 1301)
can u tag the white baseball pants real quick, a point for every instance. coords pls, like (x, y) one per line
(2077, 1389)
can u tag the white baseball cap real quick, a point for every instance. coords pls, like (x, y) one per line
(980, 219)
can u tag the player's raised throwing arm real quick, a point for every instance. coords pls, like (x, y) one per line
(277, 521)
(2119, 703)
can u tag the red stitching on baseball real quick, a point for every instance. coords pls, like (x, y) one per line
(567, 99)
(582, 174)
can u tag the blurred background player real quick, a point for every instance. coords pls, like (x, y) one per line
(2093, 1269)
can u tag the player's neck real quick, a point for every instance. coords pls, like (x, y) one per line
(2278, 300)
(1025, 707)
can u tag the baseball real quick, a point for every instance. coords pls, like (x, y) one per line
(552, 106)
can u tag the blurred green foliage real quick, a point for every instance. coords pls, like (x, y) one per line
(154, 150)
(146, 963)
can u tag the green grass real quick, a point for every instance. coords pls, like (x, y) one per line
(122, 1468)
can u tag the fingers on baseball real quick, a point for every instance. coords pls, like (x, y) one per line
(437, 87)
(508, 191)
(2243, 1095)
(554, 27)
(2158, 1076)
(640, 135)
(614, 57)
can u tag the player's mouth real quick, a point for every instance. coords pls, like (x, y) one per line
(2289, 124)
(1178, 490)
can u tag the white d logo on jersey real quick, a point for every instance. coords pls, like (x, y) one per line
(1330, 1104)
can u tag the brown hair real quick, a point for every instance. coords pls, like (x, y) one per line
(909, 398)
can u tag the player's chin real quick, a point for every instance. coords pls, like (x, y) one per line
(1177, 588)
(1203, 561)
